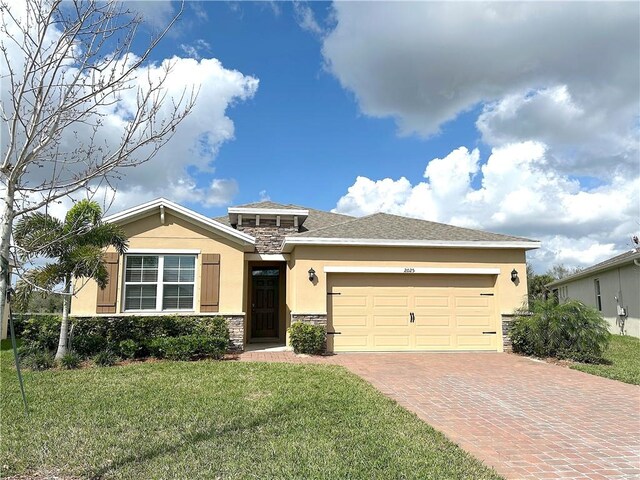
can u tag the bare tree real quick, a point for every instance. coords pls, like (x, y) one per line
(65, 65)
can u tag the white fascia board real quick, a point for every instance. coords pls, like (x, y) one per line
(133, 213)
(267, 257)
(412, 270)
(171, 251)
(268, 211)
(290, 242)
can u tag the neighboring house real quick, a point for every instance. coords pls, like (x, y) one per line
(378, 283)
(612, 287)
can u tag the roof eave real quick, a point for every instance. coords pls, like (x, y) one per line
(587, 272)
(290, 243)
(134, 213)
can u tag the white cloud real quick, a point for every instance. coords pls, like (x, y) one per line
(424, 63)
(518, 195)
(559, 87)
(196, 49)
(176, 171)
(305, 18)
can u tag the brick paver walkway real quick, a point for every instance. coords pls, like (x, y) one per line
(527, 419)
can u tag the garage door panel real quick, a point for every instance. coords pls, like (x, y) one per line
(372, 312)
(436, 319)
(391, 340)
(351, 320)
(390, 320)
(349, 342)
(350, 300)
(434, 342)
(442, 301)
(476, 342)
(473, 321)
(390, 301)
(471, 301)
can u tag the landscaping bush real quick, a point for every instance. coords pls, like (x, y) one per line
(212, 327)
(70, 361)
(307, 338)
(41, 330)
(128, 348)
(188, 347)
(37, 359)
(133, 336)
(570, 330)
(88, 345)
(106, 358)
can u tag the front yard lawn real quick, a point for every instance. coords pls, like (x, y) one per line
(219, 420)
(624, 355)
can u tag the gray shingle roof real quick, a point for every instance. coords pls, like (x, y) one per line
(384, 226)
(626, 257)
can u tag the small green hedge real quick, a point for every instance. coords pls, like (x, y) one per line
(569, 330)
(107, 339)
(307, 338)
(188, 347)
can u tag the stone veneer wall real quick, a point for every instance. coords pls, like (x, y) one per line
(235, 323)
(506, 326)
(312, 318)
(268, 236)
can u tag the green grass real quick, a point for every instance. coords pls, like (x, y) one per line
(225, 420)
(623, 361)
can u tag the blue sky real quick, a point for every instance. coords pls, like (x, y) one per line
(521, 118)
(301, 138)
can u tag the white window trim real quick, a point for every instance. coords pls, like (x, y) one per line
(163, 251)
(160, 280)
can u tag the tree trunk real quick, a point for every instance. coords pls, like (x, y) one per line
(6, 225)
(64, 326)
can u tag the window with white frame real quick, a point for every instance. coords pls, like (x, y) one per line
(596, 285)
(159, 282)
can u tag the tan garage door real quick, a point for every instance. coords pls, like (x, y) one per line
(388, 312)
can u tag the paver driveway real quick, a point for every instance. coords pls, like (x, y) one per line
(527, 419)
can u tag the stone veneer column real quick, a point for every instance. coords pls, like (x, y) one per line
(236, 332)
(507, 319)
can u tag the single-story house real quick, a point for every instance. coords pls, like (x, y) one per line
(612, 287)
(378, 283)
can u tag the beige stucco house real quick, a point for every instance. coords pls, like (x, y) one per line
(612, 287)
(378, 283)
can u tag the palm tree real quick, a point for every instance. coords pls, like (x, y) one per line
(76, 244)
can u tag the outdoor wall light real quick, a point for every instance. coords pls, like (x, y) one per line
(514, 275)
(312, 274)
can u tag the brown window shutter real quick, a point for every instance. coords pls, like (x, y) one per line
(107, 296)
(210, 283)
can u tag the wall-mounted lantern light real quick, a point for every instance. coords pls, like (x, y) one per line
(514, 275)
(312, 274)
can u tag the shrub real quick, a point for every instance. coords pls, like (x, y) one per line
(213, 327)
(38, 359)
(106, 358)
(570, 330)
(42, 330)
(188, 347)
(88, 345)
(307, 338)
(70, 361)
(128, 348)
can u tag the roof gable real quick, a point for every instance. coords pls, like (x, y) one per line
(160, 204)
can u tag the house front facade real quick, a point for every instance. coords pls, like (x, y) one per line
(377, 283)
(612, 287)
